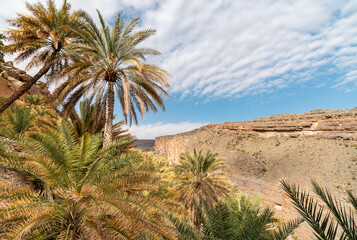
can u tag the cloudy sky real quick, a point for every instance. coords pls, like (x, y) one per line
(236, 60)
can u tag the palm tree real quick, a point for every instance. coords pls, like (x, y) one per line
(91, 119)
(108, 60)
(235, 218)
(333, 220)
(88, 192)
(41, 37)
(200, 179)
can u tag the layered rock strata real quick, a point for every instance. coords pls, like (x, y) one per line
(319, 145)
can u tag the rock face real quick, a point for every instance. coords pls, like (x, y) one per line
(319, 145)
(12, 78)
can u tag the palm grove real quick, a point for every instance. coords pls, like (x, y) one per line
(87, 182)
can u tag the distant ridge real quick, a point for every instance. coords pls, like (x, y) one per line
(145, 144)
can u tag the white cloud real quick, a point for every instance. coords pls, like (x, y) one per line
(216, 49)
(151, 131)
(231, 48)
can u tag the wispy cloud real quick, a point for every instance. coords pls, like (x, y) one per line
(216, 49)
(151, 131)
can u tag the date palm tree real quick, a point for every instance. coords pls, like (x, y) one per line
(40, 37)
(108, 61)
(87, 192)
(200, 179)
(330, 220)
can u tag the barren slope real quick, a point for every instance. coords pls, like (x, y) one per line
(318, 145)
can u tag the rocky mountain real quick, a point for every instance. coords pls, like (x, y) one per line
(319, 145)
(11, 78)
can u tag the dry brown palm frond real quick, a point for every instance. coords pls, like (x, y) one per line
(88, 192)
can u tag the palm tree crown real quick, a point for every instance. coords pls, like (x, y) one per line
(87, 192)
(40, 37)
(108, 61)
(330, 220)
(200, 180)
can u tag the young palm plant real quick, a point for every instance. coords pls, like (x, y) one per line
(91, 119)
(88, 192)
(40, 37)
(46, 115)
(235, 218)
(330, 220)
(200, 180)
(15, 122)
(108, 62)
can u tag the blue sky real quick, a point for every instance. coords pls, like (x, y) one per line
(236, 60)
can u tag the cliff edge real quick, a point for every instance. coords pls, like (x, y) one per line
(319, 145)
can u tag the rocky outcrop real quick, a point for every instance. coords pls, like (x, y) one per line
(11, 78)
(327, 124)
(318, 123)
(319, 145)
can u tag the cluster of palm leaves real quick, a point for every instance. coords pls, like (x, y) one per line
(87, 60)
(15, 122)
(90, 118)
(88, 192)
(200, 180)
(329, 218)
(235, 218)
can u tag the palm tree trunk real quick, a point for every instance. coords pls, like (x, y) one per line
(24, 88)
(109, 111)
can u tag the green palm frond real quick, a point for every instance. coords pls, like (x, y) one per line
(325, 219)
(235, 218)
(15, 122)
(107, 61)
(91, 119)
(286, 229)
(200, 179)
(183, 228)
(41, 35)
(87, 192)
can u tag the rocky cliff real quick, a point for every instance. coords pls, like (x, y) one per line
(319, 145)
(11, 78)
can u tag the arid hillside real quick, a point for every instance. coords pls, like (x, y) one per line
(319, 145)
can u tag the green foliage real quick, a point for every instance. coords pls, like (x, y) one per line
(42, 35)
(34, 100)
(200, 179)
(91, 119)
(14, 122)
(326, 220)
(88, 192)
(235, 218)
(110, 55)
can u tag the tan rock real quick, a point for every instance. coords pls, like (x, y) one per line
(319, 145)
